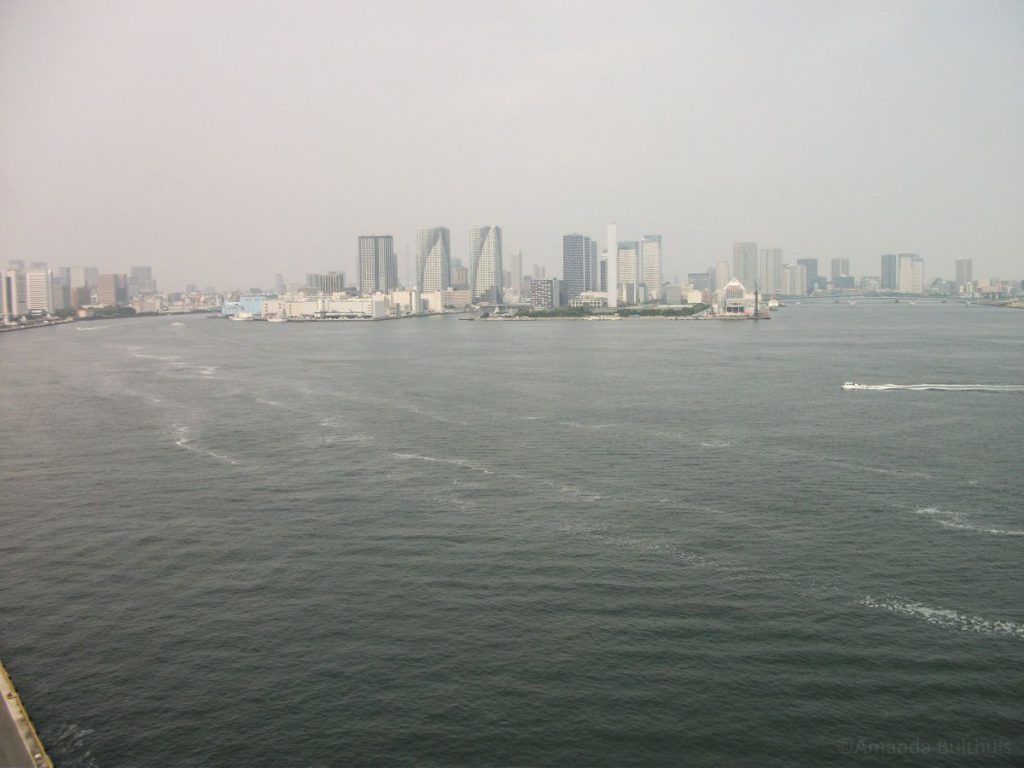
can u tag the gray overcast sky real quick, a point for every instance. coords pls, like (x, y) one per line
(222, 142)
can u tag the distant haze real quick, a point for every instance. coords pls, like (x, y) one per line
(223, 142)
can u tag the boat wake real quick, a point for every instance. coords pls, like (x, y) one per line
(944, 617)
(950, 519)
(182, 440)
(936, 387)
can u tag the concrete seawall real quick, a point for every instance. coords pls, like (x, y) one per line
(20, 746)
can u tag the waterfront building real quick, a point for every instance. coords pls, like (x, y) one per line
(734, 299)
(890, 277)
(378, 265)
(627, 263)
(911, 276)
(579, 258)
(769, 270)
(485, 263)
(964, 275)
(406, 302)
(39, 291)
(811, 272)
(458, 298)
(744, 263)
(545, 294)
(433, 258)
(460, 275)
(650, 264)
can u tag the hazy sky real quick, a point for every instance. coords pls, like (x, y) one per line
(222, 142)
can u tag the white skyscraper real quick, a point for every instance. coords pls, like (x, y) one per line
(911, 273)
(612, 273)
(433, 259)
(12, 284)
(39, 290)
(650, 264)
(769, 271)
(485, 263)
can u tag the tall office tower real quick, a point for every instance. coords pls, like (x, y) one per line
(332, 283)
(433, 259)
(744, 264)
(769, 270)
(39, 290)
(650, 264)
(111, 290)
(460, 276)
(811, 270)
(577, 271)
(485, 263)
(890, 276)
(12, 286)
(602, 277)
(92, 276)
(279, 286)
(17, 265)
(964, 274)
(378, 265)
(627, 263)
(593, 268)
(722, 274)
(840, 268)
(611, 280)
(911, 278)
(141, 281)
(794, 280)
(516, 272)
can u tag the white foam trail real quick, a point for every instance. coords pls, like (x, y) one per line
(951, 519)
(943, 387)
(944, 617)
(182, 440)
(716, 444)
(578, 425)
(457, 462)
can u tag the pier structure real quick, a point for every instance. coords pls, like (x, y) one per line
(20, 745)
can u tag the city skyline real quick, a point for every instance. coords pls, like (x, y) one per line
(883, 129)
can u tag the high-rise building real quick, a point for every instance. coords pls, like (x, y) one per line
(811, 272)
(744, 264)
(378, 266)
(485, 263)
(111, 290)
(769, 270)
(433, 259)
(611, 277)
(794, 280)
(460, 275)
(545, 294)
(12, 294)
(650, 264)
(39, 290)
(911, 277)
(516, 272)
(326, 283)
(964, 275)
(579, 253)
(890, 277)
(627, 266)
(840, 268)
